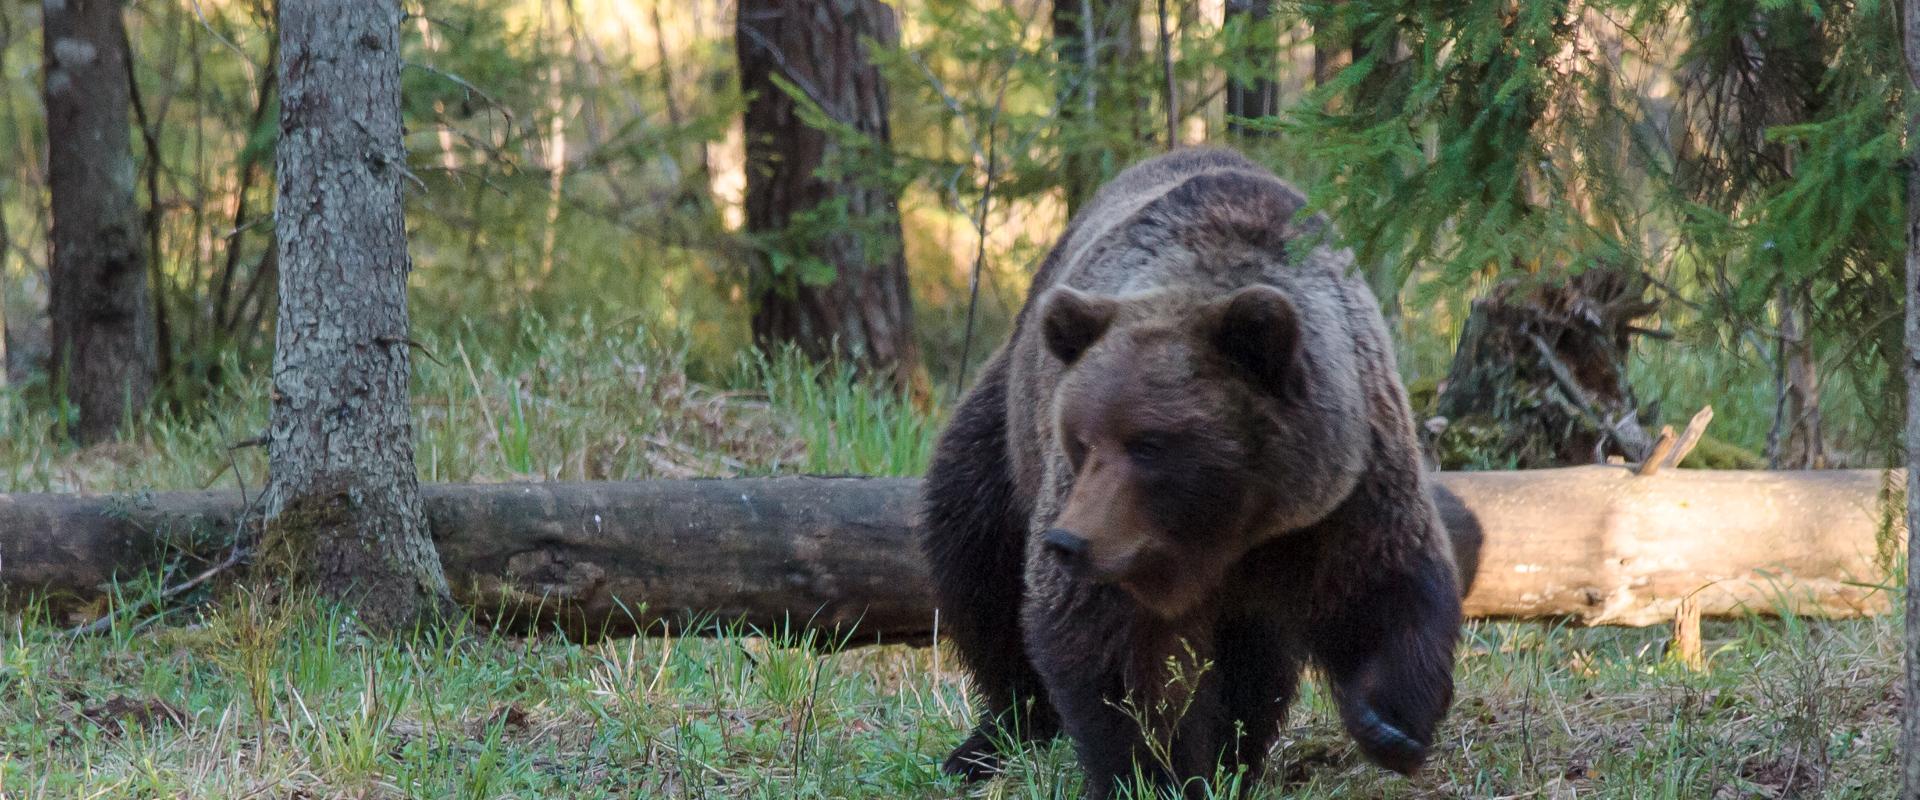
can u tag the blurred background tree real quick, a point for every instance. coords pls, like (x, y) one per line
(1736, 166)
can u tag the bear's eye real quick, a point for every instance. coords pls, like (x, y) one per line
(1148, 449)
(1076, 452)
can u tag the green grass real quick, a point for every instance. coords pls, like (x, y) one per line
(234, 698)
(249, 701)
(584, 402)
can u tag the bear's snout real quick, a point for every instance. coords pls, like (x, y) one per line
(1065, 544)
(1081, 557)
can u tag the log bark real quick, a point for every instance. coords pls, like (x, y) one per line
(342, 499)
(104, 349)
(831, 277)
(1593, 545)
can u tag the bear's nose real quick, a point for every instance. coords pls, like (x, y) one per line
(1067, 545)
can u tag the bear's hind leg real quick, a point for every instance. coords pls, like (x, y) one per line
(974, 539)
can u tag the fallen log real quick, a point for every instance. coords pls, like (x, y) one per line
(1601, 546)
(1594, 545)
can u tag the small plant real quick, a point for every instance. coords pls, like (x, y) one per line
(516, 441)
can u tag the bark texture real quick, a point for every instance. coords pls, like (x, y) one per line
(343, 499)
(1259, 97)
(102, 313)
(1910, 712)
(1796, 440)
(1594, 545)
(831, 277)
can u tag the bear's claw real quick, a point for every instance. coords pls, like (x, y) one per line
(1387, 745)
(976, 759)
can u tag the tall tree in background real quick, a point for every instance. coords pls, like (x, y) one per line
(1103, 91)
(1252, 92)
(6, 243)
(103, 330)
(831, 277)
(343, 498)
(1910, 713)
(1750, 69)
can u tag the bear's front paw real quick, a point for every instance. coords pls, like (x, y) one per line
(976, 759)
(1386, 745)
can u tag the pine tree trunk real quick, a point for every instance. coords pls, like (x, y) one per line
(1910, 713)
(1804, 446)
(6, 245)
(1261, 97)
(1099, 46)
(834, 285)
(343, 499)
(1330, 53)
(102, 313)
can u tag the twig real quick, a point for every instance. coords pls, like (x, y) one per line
(238, 554)
(952, 103)
(200, 12)
(980, 245)
(1690, 438)
(241, 552)
(480, 399)
(464, 85)
(1166, 67)
(1657, 457)
(1571, 388)
(806, 87)
(250, 225)
(156, 161)
(389, 341)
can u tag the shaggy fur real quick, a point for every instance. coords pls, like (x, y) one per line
(1191, 472)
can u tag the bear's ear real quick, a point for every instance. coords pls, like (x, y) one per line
(1071, 322)
(1258, 329)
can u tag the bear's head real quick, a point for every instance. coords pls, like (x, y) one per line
(1189, 428)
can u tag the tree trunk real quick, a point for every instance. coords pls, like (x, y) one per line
(831, 277)
(1539, 376)
(1260, 98)
(1100, 106)
(1595, 545)
(1910, 712)
(6, 246)
(103, 338)
(343, 499)
(1797, 441)
(1332, 51)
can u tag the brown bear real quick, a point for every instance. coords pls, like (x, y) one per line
(1190, 472)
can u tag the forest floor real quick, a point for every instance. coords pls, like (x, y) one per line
(235, 698)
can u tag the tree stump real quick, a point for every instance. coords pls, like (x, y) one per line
(1539, 376)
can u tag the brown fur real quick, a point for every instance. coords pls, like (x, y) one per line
(1195, 449)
